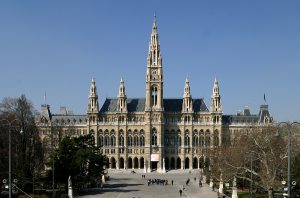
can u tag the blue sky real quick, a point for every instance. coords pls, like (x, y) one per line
(252, 47)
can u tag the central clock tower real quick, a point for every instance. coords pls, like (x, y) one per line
(154, 76)
(154, 107)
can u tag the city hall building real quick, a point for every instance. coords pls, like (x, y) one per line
(153, 133)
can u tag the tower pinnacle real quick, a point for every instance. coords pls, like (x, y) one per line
(93, 106)
(122, 99)
(187, 105)
(216, 105)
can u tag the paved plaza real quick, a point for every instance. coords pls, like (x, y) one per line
(129, 185)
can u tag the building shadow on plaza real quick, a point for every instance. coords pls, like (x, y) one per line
(121, 188)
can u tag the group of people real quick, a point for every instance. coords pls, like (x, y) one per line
(158, 181)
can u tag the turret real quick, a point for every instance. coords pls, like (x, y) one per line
(93, 106)
(216, 104)
(122, 99)
(187, 104)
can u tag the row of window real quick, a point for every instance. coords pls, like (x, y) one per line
(136, 141)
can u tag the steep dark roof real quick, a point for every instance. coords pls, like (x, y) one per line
(138, 105)
(175, 105)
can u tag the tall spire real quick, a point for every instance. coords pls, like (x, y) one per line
(154, 74)
(187, 91)
(216, 104)
(122, 99)
(122, 89)
(154, 22)
(93, 106)
(154, 55)
(187, 105)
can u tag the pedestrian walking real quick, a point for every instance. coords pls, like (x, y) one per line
(180, 192)
(172, 182)
(195, 179)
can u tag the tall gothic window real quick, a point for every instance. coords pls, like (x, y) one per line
(106, 140)
(113, 140)
(121, 140)
(179, 140)
(100, 140)
(136, 140)
(154, 138)
(187, 140)
(129, 140)
(154, 96)
(207, 138)
(142, 141)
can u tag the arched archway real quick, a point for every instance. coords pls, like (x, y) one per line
(136, 163)
(172, 163)
(178, 164)
(141, 162)
(187, 163)
(201, 162)
(195, 163)
(112, 163)
(121, 164)
(129, 163)
(167, 164)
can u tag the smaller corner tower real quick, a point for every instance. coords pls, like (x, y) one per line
(187, 104)
(122, 99)
(93, 105)
(216, 104)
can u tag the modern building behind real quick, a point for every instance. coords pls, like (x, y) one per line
(153, 132)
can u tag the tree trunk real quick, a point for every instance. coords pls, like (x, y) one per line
(270, 193)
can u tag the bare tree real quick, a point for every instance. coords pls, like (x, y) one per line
(26, 147)
(257, 152)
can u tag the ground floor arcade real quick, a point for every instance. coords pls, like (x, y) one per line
(168, 163)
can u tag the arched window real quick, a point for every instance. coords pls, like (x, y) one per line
(106, 140)
(207, 138)
(187, 138)
(166, 141)
(179, 140)
(201, 141)
(154, 137)
(195, 141)
(129, 140)
(112, 140)
(101, 140)
(121, 140)
(154, 96)
(142, 141)
(136, 140)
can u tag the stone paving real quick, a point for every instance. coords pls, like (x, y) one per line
(124, 184)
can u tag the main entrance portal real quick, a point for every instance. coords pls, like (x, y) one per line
(154, 166)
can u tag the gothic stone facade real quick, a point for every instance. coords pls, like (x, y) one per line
(153, 132)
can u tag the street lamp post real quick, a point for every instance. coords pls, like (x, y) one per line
(9, 123)
(289, 127)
